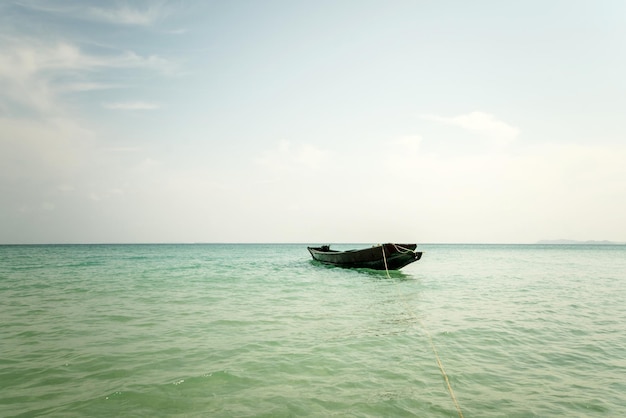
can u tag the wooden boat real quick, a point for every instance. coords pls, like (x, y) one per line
(380, 257)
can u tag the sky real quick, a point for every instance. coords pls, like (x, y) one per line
(312, 121)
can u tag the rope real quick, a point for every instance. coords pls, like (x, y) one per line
(443, 371)
(385, 260)
(399, 248)
(430, 339)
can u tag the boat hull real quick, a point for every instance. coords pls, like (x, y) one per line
(395, 256)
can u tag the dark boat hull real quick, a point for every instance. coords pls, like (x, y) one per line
(395, 256)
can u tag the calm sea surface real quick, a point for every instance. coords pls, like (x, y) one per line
(262, 330)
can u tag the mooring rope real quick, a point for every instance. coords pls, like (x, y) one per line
(443, 371)
(430, 339)
(385, 260)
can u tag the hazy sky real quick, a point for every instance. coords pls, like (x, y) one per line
(312, 121)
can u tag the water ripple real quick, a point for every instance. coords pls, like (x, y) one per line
(260, 330)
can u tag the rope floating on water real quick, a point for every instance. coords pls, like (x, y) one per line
(430, 339)
(443, 371)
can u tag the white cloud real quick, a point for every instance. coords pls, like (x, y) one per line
(28, 146)
(86, 86)
(124, 14)
(40, 159)
(540, 191)
(132, 106)
(130, 59)
(130, 149)
(402, 156)
(411, 142)
(30, 71)
(42, 143)
(23, 59)
(480, 122)
(293, 158)
(107, 194)
(127, 15)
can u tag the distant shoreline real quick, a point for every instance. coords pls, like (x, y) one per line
(575, 242)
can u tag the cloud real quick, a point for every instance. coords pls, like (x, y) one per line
(293, 158)
(86, 86)
(124, 14)
(127, 15)
(560, 188)
(51, 145)
(403, 155)
(132, 106)
(130, 59)
(107, 194)
(130, 149)
(34, 74)
(480, 122)
(22, 59)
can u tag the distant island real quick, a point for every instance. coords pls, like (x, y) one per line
(574, 242)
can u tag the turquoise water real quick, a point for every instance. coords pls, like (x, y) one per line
(261, 330)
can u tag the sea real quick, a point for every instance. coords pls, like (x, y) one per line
(262, 330)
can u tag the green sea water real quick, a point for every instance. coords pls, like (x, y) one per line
(262, 330)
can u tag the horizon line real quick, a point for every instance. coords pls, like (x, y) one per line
(539, 242)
